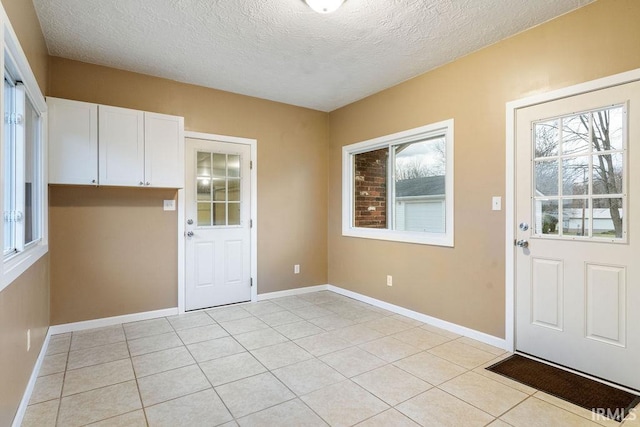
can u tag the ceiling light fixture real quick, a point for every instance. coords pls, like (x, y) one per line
(324, 6)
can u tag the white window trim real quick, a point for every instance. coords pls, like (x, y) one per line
(348, 151)
(14, 59)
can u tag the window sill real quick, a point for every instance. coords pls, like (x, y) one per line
(434, 239)
(16, 265)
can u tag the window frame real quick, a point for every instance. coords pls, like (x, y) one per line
(443, 129)
(14, 61)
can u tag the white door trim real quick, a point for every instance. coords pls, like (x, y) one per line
(510, 220)
(253, 143)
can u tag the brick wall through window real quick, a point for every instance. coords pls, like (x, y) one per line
(370, 199)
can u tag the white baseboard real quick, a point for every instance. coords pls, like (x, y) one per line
(292, 292)
(109, 321)
(22, 409)
(442, 324)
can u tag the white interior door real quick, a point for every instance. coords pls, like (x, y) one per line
(577, 208)
(218, 235)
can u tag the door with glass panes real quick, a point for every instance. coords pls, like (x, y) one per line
(578, 214)
(218, 237)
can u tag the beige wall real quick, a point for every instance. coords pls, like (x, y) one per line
(292, 196)
(465, 285)
(113, 251)
(24, 304)
(24, 21)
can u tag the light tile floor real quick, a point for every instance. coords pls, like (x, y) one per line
(311, 360)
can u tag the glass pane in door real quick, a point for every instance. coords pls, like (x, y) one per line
(218, 184)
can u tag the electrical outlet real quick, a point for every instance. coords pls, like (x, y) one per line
(28, 339)
(389, 280)
(296, 269)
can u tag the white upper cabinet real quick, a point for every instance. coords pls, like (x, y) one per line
(121, 146)
(92, 144)
(73, 142)
(164, 150)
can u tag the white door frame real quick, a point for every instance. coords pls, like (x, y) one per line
(253, 143)
(510, 220)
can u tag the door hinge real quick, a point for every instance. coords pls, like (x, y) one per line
(250, 223)
(251, 281)
(250, 164)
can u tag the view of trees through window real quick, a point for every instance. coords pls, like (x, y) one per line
(578, 174)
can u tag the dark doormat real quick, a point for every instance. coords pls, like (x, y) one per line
(600, 398)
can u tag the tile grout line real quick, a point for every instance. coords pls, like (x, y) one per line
(203, 373)
(135, 377)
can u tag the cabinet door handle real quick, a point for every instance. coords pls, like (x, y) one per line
(141, 183)
(148, 183)
(93, 181)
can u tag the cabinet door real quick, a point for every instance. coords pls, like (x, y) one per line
(164, 150)
(73, 142)
(121, 146)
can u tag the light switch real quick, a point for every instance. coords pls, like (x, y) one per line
(169, 205)
(496, 203)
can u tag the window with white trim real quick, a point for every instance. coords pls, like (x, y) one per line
(399, 187)
(22, 167)
(22, 162)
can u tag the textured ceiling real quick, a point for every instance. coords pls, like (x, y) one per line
(280, 49)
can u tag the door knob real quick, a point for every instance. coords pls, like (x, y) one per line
(522, 243)
(189, 233)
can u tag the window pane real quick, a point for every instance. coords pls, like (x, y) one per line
(575, 134)
(219, 214)
(607, 129)
(204, 189)
(575, 217)
(31, 190)
(546, 214)
(234, 213)
(575, 176)
(607, 217)
(204, 165)
(219, 165)
(547, 138)
(546, 177)
(8, 181)
(234, 190)
(233, 166)
(370, 184)
(204, 214)
(607, 174)
(420, 186)
(219, 189)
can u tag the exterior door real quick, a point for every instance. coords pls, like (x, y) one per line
(578, 231)
(218, 238)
